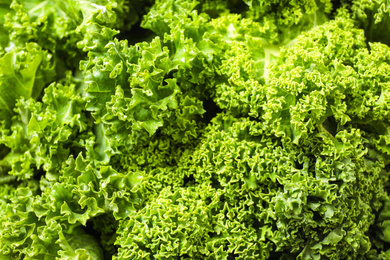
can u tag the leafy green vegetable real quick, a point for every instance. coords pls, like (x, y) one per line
(194, 129)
